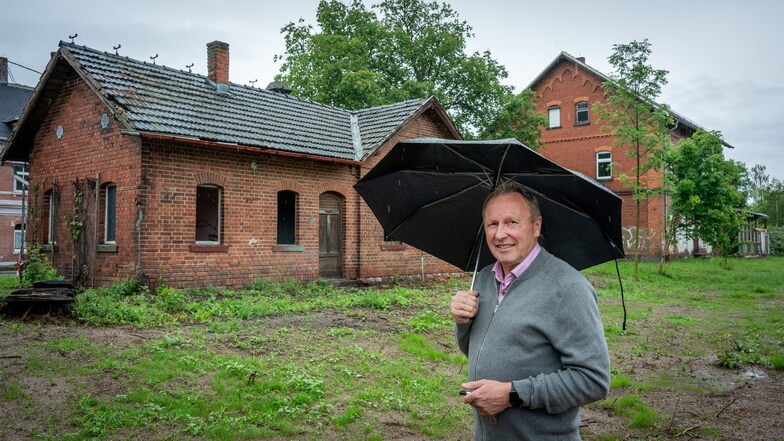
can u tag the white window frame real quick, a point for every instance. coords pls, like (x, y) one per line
(554, 117)
(52, 218)
(603, 159)
(20, 174)
(19, 233)
(578, 111)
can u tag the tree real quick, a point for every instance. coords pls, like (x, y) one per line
(706, 197)
(639, 125)
(518, 119)
(411, 49)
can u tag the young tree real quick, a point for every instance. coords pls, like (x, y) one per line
(706, 196)
(518, 119)
(639, 125)
(411, 49)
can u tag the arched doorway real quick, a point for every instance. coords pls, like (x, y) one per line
(330, 235)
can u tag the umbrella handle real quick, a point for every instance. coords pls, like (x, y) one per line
(476, 266)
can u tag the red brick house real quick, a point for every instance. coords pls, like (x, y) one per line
(566, 91)
(141, 170)
(13, 175)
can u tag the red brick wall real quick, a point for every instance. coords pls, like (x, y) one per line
(575, 147)
(10, 213)
(84, 151)
(156, 182)
(379, 258)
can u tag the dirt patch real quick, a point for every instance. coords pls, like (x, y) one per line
(700, 400)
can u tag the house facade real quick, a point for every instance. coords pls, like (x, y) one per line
(140, 170)
(566, 91)
(13, 175)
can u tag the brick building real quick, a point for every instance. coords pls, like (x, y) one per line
(566, 91)
(141, 170)
(13, 175)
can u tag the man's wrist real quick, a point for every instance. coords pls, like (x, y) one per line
(514, 397)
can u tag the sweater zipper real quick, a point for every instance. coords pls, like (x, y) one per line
(479, 356)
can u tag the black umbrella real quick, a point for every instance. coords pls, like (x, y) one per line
(429, 193)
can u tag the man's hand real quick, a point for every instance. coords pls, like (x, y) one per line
(465, 305)
(488, 397)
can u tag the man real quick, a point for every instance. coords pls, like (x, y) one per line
(534, 338)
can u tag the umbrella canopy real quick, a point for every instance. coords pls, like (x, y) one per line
(429, 192)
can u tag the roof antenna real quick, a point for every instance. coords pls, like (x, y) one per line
(252, 82)
(153, 58)
(115, 49)
(72, 37)
(189, 67)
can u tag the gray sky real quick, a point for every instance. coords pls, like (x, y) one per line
(724, 58)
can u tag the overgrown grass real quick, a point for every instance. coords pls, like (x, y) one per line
(309, 361)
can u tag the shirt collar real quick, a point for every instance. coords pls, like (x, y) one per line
(498, 270)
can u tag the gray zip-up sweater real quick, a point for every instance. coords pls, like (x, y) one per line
(546, 337)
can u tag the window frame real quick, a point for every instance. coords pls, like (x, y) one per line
(110, 227)
(578, 111)
(219, 216)
(550, 118)
(602, 163)
(50, 200)
(287, 218)
(20, 174)
(19, 238)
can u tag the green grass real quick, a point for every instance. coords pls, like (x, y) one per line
(303, 361)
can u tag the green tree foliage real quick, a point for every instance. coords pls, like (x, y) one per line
(706, 196)
(401, 49)
(767, 195)
(639, 125)
(518, 119)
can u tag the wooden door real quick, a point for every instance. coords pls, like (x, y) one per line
(330, 237)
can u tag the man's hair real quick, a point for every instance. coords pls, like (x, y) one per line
(513, 187)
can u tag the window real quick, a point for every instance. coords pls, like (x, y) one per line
(287, 218)
(19, 238)
(208, 214)
(50, 215)
(581, 117)
(554, 117)
(110, 214)
(604, 165)
(20, 178)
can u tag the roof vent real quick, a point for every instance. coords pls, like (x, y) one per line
(581, 59)
(279, 87)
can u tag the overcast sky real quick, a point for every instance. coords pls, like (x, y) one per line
(724, 57)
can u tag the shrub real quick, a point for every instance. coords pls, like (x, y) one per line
(37, 267)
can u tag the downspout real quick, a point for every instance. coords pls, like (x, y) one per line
(95, 228)
(139, 217)
(356, 139)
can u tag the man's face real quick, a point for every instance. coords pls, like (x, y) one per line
(509, 230)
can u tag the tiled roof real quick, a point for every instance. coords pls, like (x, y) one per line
(157, 99)
(579, 62)
(13, 98)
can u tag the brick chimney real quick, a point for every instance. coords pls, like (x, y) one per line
(3, 70)
(218, 62)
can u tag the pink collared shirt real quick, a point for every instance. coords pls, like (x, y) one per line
(504, 282)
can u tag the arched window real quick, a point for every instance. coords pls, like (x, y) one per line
(287, 218)
(208, 214)
(603, 165)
